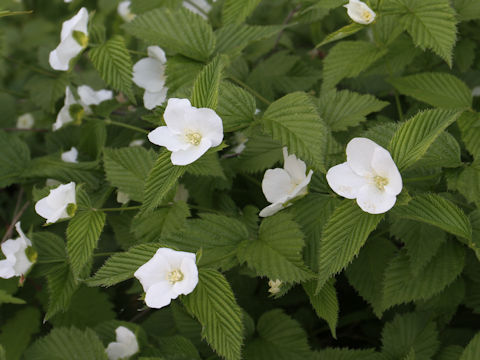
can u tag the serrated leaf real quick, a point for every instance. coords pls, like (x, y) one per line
(341, 33)
(468, 183)
(61, 285)
(15, 159)
(472, 350)
(277, 253)
(6, 298)
(83, 233)
(412, 140)
(437, 211)
(437, 89)
(205, 87)
(236, 107)
(467, 9)
(236, 11)
(45, 91)
(213, 304)
(50, 249)
(181, 73)
(294, 122)
(127, 169)
(469, 124)
(444, 152)
(348, 354)
(208, 165)
(261, 152)
(325, 303)
(401, 285)
(179, 31)
(343, 109)
(348, 59)
(112, 60)
(120, 267)
(343, 236)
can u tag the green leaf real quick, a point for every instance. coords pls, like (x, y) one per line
(401, 285)
(127, 169)
(161, 179)
(261, 152)
(62, 284)
(83, 232)
(112, 60)
(205, 88)
(468, 183)
(437, 89)
(348, 59)
(18, 330)
(279, 337)
(121, 267)
(14, 160)
(437, 211)
(341, 33)
(467, 9)
(277, 253)
(472, 350)
(430, 23)
(208, 165)
(325, 303)
(45, 91)
(412, 140)
(343, 236)
(181, 73)
(294, 122)
(67, 343)
(469, 124)
(347, 354)
(236, 107)
(6, 298)
(213, 304)
(179, 31)
(344, 109)
(366, 272)
(444, 152)
(407, 332)
(236, 11)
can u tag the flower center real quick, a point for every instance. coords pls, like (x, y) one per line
(175, 276)
(380, 182)
(367, 16)
(193, 138)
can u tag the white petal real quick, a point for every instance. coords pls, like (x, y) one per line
(295, 167)
(54, 206)
(26, 240)
(116, 351)
(148, 74)
(159, 295)
(271, 210)
(360, 12)
(156, 52)
(9, 248)
(277, 185)
(191, 154)
(190, 277)
(176, 115)
(153, 271)
(6, 270)
(122, 197)
(383, 165)
(25, 121)
(77, 23)
(344, 181)
(64, 116)
(162, 136)
(88, 96)
(126, 337)
(70, 156)
(153, 99)
(301, 188)
(23, 264)
(374, 201)
(59, 58)
(206, 122)
(360, 154)
(124, 11)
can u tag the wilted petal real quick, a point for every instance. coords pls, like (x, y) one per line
(64, 116)
(374, 201)
(344, 181)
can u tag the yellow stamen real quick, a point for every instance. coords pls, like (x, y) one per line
(367, 15)
(175, 276)
(380, 182)
(193, 138)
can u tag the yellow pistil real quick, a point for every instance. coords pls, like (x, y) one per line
(367, 15)
(380, 182)
(175, 276)
(193, 138)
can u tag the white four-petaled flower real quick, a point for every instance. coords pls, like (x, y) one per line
(369, 175)
(282, 185)
(125, 346)
(25, 121)
(190, 131)
(360, 12)
(149, 74)
(274, 286)
(166, 275)
(73, 39)
(124, 11)
(55, 206)
(17, 262)
(70, 155)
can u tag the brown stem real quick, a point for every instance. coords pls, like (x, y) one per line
(17, 216)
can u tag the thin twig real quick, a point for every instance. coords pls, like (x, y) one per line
(14, 221)
(285, 22)
(248, 88)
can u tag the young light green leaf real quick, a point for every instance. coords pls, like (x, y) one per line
(213, 304)
(412, 140)
(205, 88)
(180, 31)
(472, 350)
(341, 33)
(113, 62)
(293, 120)
(437, 89)
(236, 11)
(6, 298)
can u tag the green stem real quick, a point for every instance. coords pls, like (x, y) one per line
(127, 126)
(128, 208)
(248, 88)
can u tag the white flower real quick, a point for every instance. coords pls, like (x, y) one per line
(54, 207)
(360, 12)
(124, 11)
(138, 142)
(149, 74)
(25, 121)
(369, 175)
(189, 133)
(282, 185)
(200, 7)
(88, 97)
(17, 262)
(70, 156)
(274, 286)
(125, 346)
(166, 275)
(122, 197)
(73, 39)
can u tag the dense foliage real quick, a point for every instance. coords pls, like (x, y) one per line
(318, 279)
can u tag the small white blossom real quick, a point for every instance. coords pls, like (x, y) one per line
(189, 133)
(166, 275)
(369, 175)
(122, 197)
(54, 207)
(88, 97)
(274, 286)
(70, 156)
(73, 39)
(282, 185)
(149, 74)
(124, 11)
(200, 7)
(241, 141)
(17, 263)
(25, 121)
(125, 346)
(138, 142)
(360, 12)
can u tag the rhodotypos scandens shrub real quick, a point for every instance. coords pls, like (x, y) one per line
(240, 179)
